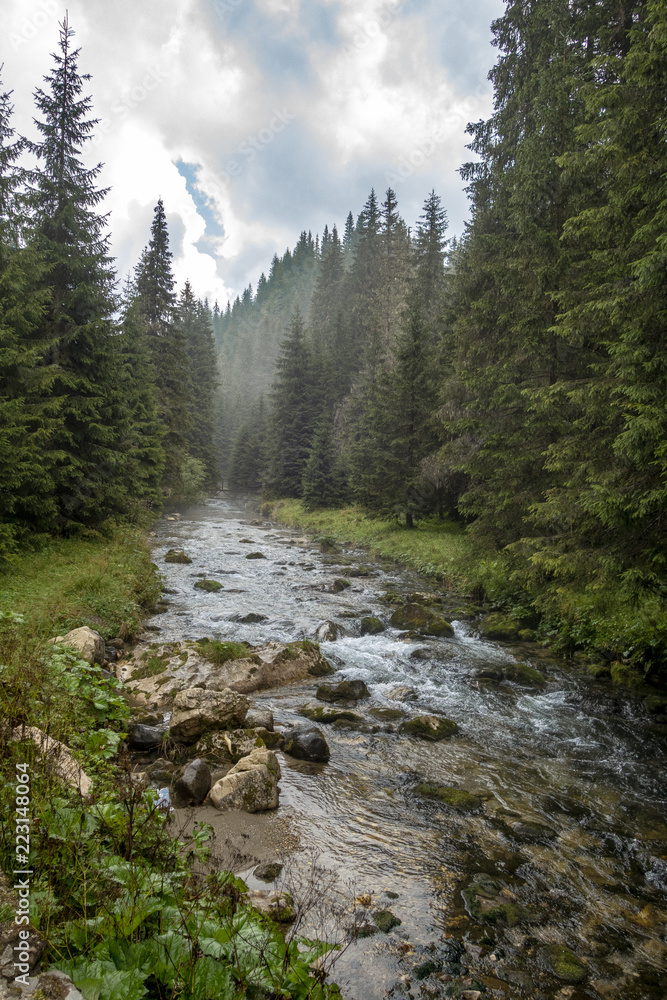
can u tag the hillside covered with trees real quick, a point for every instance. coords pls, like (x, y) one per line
(106, 399)
(514, 380)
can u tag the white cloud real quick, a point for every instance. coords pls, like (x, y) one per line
(199, 80)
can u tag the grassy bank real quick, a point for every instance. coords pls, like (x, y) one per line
(590, 615)
(436, 548)
(106, 583)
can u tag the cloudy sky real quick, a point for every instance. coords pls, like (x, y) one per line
(256, 119)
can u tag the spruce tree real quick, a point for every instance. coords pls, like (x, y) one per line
(292, 414)
(193, 320)
(156, 301)
(27, 414)
(78, 334)
(323, 482)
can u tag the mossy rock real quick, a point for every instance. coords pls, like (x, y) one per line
(625, 675)
(340, 584)
(318, 713)
(272, 740)
(600, 671)
(416, 618)
(151, 667)
(210, 586)
(533, 833)
(564, 964)
(499, 628)
(526, 635)
(344, 691)
(220, 652)
(371, 626)
(392, 597)
(656, 704)
(320, 668)
(525, 675)
(387, 714)
(255, 555)
(429, 727)
(456, 798)
(177, 556)
(385, 920)
(427, 600)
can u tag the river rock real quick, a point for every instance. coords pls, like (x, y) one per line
(533, 833)
(403, 693)
(278, 906)
(210, 586)
(159, 671)
(455, 798)
(344, 691)
(369, 625)
(385, 920)
(193, 784)
(318, 713)
(499, 628)
(255, 555)
(518, 673)
(418, 618)
(141, 737)
(251, 785)
(58, 757)
(259, 718)
(177, 556)
(252, 618)
(489, 901)
(328, 631)
(564, 964)
(88, 643)
(268, 872)
(307, 743)
(429, 727)
(197, 711)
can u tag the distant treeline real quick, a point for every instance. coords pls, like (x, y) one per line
(106, 400)
(517, 380)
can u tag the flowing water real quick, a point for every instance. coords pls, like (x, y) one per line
(577, 757)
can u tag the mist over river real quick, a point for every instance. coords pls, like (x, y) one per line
(568, 852)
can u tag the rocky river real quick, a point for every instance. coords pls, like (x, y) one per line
(546, 880)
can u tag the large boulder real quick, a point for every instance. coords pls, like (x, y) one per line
(251, 785)
(328, 631)
(159, 670)
(418, 618)
(141, 737)
(370, 625)
(88, 643)
(429, 727)
(58, 758)
(197, 711)
(307, 743)
(344, 691)
(193, 784)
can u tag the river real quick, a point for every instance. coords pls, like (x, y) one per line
(569, 848)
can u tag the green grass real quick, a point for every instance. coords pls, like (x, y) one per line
(437, 548)
(104, 582)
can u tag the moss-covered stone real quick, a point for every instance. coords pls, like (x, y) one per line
(600, 671)
(392, 597)
(429, 727)
(151, 667)
(385, 920)
(656, 704)
(371, 626)
(456, 798)
(344, 691)
(415, 617)
(564, 964)
(318, 713)
(210, 586)
(387, 714)
(255, 555)
(625, 675)
(220, 652)
(525, 675)
(177, 556)
(526, 635)
(427, 600)
(497, 627)
(340, 584)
